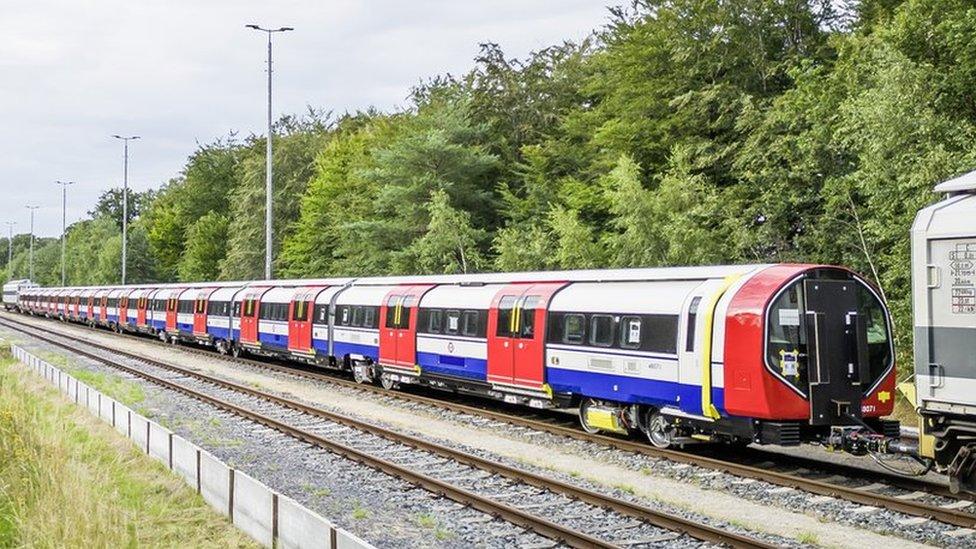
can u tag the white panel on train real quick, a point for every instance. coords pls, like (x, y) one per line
(364, 295)
(663, 297)
(460, 297)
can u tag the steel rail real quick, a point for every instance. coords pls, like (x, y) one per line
(538, 524)
(954, 517)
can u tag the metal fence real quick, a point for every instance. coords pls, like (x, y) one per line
(272, 519)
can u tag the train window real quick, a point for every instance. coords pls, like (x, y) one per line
(185, 306)
(601, 330)
(369, 317)
(408, 303)
(300, 311)
(391, 311)
(237, 309)
(660, 334)
(471, 324)
(343, 315)
(506, 326)
(574, 328)
(321, 314)
(787, 339)
(527, 316)
(201, 306)
(630, 332)
(692, 319)
(879, 342)
(249, 308)
(453, 322)
(358, 316)
(435, 321)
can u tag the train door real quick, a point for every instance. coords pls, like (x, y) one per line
(103, 308)
(398, 335)
(300, 319)
(836, 372)
(250, 305)
(123, 310)
(172, 307)
(200, 313)
(516, 334)
(141, 305)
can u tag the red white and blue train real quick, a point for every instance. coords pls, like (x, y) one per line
(780, 353)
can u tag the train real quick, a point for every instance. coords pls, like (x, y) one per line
(779, 354)
(943, 241)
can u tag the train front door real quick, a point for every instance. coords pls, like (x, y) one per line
(837, 373)
(398, 332)
(516, 334)
(141, 305)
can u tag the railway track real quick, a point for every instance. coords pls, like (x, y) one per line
(863, 495)
(544, 505)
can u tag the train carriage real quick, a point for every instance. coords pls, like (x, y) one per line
(272, 324)
(218, 321)
(452, 341)
(355, 328)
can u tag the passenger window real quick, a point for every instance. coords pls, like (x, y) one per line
(435, 321)
(601, 330)
(692, 320)
(574, 328)
(630, 332)
(662, 334)
(357, 316)
(391, 310)
(527, 317)
(453, 322)
(505, 327)
(469, 324)
(344, 315)
(299, 311)
(405, 308)
(369, 320)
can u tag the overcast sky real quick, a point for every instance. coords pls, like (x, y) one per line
(182, 72)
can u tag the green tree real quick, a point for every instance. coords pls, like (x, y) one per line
(205, 248)
(450, 245)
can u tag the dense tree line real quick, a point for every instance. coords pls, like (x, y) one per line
(683, 132)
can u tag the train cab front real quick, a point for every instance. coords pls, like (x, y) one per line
(827, 369)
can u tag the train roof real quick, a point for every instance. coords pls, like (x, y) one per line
(965, 183)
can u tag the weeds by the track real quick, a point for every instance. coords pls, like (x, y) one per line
(68, 480)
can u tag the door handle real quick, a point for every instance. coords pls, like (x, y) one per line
(936, 376)
(520, 345)
(933, 275)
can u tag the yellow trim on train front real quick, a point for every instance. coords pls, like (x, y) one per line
(708, 408)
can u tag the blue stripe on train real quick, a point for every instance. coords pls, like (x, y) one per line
(273, 340)
(184, 327)
(632, 389)
(112, 318)
(343, 348)
(217, 332)
(158, 324)
(453, 365)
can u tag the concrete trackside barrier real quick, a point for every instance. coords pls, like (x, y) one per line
(159, 441)
(272, 519)
(253, 508)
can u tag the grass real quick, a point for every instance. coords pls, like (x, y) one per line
(360, 513)
(808, 538)
(69, 480)
(429, 521)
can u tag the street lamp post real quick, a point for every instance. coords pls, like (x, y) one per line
(64, 229)
(10, 247)
(268, 201)
(31, 257)
(125, 198)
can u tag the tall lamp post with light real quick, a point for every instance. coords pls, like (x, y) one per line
(64, 229)
(125, 198)
(31, 256)
(268, 201)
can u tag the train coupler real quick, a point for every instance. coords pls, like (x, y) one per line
(859, 441)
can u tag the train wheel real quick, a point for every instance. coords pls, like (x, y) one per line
(162, 336)
(584, 408)
(658, 430)
(236, 351)
(388, 383)
(360, 373)
(221, 346)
